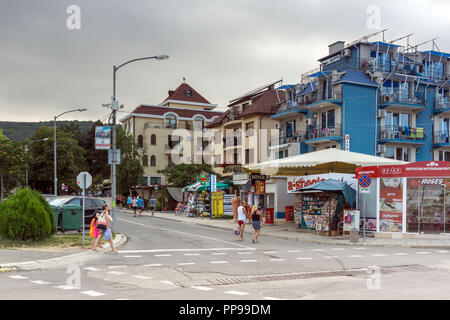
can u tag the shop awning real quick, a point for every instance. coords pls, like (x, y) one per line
(335, 185)
(192, 188)
(219, 186)
(323, 161)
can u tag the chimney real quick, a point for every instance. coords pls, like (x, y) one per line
(336, 47)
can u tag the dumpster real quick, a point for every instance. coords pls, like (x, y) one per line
(289, 213)
(269, 215)
(56, 220)
(71, 217)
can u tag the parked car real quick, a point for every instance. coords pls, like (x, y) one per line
(93, 205)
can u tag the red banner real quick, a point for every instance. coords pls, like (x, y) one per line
(415, 169)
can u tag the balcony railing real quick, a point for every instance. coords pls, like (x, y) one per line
(229, 141)
(335, 94)
(372, 64)
(441, 103)
(332, 131)
(389, 95)
(442, 136)
(298, 136)
(401, 132)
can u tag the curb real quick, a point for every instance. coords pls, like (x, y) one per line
(60, 261)
(318, 241)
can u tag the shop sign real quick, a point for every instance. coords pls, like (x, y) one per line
(431, 181)
(260, 186)
(391, 205)
(295, 184)
(416, 169)
(332, 59)
(254, 176)
(347, 142)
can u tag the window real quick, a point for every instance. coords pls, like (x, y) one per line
(328, 119)
(290, 128)
(398, 153)
(199, 123)
(217, 136)
(189, 93)
(155, 180)
(153, 139)
(140, 141)
(145, 161)
(170, 122)
(153, 161)
(444, 156)
(249, 129)
(145, 181)
(249, 155)
(76, 201)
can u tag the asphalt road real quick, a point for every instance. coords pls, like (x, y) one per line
(171, 260)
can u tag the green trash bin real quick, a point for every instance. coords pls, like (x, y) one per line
(71, 217)
(55, 211)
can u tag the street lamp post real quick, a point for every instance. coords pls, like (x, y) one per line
(26, 157)
(115, 107)
(55, 187)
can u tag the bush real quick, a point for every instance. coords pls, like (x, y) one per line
(26, 215)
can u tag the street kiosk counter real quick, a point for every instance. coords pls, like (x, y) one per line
(410, 198)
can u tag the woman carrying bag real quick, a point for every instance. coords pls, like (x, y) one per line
(256, 218)
(104, 228)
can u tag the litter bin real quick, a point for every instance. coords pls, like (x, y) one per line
(289, 213)
(269, 215)
(71, 217)
(56, 220)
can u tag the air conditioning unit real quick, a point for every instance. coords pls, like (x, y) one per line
(381, 148)
(346, 53)
(308, 122)
(381, 113)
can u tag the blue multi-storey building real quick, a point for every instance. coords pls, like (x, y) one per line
(376, 98)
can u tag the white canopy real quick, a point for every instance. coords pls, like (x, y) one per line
(327, 160)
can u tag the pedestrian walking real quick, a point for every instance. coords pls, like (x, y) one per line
(152, 205)
(235, 202)
(104, 227)
(256, 218)
(140, 203)
(129, 202)
(242, 217)
(93, 231)
(134, 205)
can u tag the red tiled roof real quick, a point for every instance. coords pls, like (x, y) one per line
(180, 94)
(185, 113)
(267, 103)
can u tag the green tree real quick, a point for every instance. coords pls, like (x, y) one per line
(70, 160)
(12, 164)
(184, 174)
(130, 171)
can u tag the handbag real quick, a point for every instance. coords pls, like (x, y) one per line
(236, 230)
(108, 234)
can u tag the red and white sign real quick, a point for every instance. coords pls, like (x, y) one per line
(415, 169)
(294, 184)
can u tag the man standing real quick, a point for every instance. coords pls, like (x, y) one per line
(152, 205)
(242, 217)
(134, 204)
(140, 205)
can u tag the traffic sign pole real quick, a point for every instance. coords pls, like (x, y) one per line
(84, 201)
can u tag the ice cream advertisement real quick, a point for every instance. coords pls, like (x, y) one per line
(391, 205)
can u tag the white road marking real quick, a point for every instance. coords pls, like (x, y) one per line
(64, 287)
(192, 254)
(401, 254)
(92, 293)
(244, 261)
(379, 255)
(122, 299)
(359, 248)
(202, 288)
(40, 282)
(245, 252)
(168, 282)
(153, 265)
(216, 262)
(338, 249)
(318, 250)
(163, 255)
(116, 267)
(133, 256)
(271, 298)
(442, 251)
(330, 257)
(277, 260)
(186, 250)
(239, 293)
(355, 256)
(116, 272)
(18, 277)
(218, 253)
(304, 258)
(295, 251)
(91, 269)
(186, 263)
(269, 252)
(141, 277)
(423, 252)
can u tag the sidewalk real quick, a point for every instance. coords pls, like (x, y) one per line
(286, 230)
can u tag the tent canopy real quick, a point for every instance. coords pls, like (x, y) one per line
(335, 185)
(192, 188)
(219, 186)
(323, 161)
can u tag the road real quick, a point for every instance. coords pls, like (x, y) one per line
(170, 260)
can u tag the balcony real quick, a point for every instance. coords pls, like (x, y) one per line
(290, 142)
(441, 106)
(401, 134)
(332, 98)
(229, 142)
(441, 138)
(323, 135)
(289, 110)
(380, 65)
(400, 99)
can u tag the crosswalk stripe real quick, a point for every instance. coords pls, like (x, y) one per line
(153, 265)
(141, 277)
(137, 256)
(91, 269)
(355, 256)
(304, 258)
(163, 255)
(116, 272)
(271, 298)
(249, 261)
(40, 282)
(65, 287)
(186, 263)
(202, 288)
(219, 261)
(240, 293)
(18, 277)
(277, 259)
(93, 293)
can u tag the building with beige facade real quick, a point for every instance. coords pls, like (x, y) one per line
(170, 133)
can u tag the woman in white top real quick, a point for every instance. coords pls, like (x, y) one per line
(242, 217)
(103, 222)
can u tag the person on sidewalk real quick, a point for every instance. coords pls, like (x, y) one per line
(256, 218)
(129, 202)
(235, 202)
(134, 204)
(93, 231)
(152, 205)
(103, 223)
(140, 203)
(242, 217)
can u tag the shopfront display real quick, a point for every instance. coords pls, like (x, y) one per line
(413, 198)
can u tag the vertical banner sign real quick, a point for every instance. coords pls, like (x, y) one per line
(102, 138)
(391, 205)
(216, 204)
(213, 182)
(347, 142)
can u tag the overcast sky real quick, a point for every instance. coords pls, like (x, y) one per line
(223, 48)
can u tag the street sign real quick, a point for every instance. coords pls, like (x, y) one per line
(364, 180)
(81, 182)
(114, 158)
(364, 190)
(213, 182)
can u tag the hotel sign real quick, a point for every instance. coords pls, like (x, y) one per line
(332, 59)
